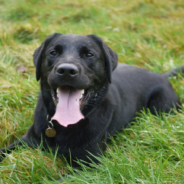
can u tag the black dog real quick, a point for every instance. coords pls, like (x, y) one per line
(82, 101)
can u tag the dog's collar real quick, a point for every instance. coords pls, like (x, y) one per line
(50, 131)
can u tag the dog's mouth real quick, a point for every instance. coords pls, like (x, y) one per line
(84, 96)
(69, 103)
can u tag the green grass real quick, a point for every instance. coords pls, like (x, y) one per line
(144, 33)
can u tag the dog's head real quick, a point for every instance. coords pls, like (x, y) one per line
(77, 70)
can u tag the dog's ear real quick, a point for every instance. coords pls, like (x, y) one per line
(111, 58)
(37, 56)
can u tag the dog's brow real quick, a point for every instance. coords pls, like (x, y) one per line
(84, 47)
(59, 46)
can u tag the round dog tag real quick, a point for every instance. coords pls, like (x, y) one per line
(50, 132)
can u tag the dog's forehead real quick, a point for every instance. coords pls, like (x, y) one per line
(74, 40)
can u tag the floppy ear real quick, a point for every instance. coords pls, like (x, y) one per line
(111, 58)
(37, 56)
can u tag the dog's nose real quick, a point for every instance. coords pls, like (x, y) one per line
(67, 70)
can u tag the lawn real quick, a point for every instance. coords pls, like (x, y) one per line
(144, 33)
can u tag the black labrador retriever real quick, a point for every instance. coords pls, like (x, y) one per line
(86, 97)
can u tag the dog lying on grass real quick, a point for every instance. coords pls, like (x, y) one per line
(86, 97)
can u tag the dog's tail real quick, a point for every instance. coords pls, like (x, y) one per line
(175, 72)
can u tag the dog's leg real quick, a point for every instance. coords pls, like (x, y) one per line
(60, 180)
(9, 148)
(29, 139)
(161, 100)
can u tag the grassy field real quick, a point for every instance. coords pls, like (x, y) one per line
(144, 33)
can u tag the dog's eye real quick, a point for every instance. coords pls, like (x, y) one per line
(53, 53)
(85, 52)
(89, 54)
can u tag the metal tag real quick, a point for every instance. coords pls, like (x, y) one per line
(50, 132)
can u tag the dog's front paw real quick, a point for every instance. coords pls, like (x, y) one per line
(60, 180)
(2, 154)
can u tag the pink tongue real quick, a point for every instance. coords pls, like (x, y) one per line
(68, 108)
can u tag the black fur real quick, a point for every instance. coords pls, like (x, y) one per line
(116, 104)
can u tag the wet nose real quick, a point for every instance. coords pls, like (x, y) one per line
(67, 70)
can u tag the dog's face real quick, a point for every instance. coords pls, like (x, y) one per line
(76, 69)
